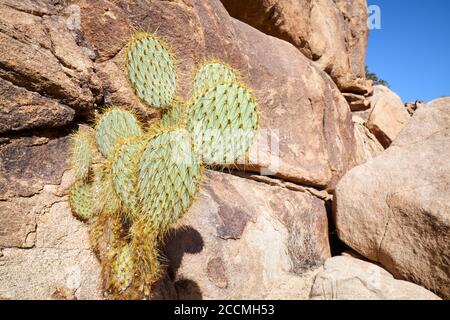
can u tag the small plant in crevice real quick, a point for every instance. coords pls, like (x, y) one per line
(150, 175)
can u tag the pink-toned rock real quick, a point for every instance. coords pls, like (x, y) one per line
(395, 208)
(367, 145)
(58, 265)
(357, 102)
(348, 278)
(61, 60)
(388, 116)
(248, 240)
(45, 72)
(439, 102)
(332, 33)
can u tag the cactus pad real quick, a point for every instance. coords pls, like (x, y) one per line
(106, 199)
(81, 154)
(122, 269)
(212, 73)
(124, 173)
(81, 200)
(223, 122)
(114, 125)
(145, 254)
(151, 70)
(169, 177)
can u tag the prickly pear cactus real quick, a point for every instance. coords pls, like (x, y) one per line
(81, 200)
(151, 70)
(149, 178)
(114, 125)
(212, 73)
(223, 121)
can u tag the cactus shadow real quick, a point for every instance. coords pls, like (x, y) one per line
(179, 242)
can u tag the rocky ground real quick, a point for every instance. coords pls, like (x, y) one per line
(357, 202)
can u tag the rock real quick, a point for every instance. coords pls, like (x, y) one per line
(367, 145)
(333, 34)
(28, 163)
(44, 74)
(283, 233)
(57, 264)
(316, 156)
(395, 208)
(105, 27)
(388, 116)
(75, 58)
(444, 101)
(44, 252)
(17, 223)
(21, 109)
(357, 102)
(347, 278)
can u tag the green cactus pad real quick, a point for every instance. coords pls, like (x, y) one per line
(124, 173)
(212, 73)
(151, 70)
(81, 200)
(175, 117)
(169, 177)
(114, 125)
(122, 268)
(81, 154)
(223, 122)
(145, 253)
(106, 199)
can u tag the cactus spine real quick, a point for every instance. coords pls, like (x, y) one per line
(149, 178)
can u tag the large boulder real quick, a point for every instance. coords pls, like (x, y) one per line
(348, 278)
(248, 240)
(388, 115)
(332, 33)
(395, 209)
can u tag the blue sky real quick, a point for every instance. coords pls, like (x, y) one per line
(412, 49)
